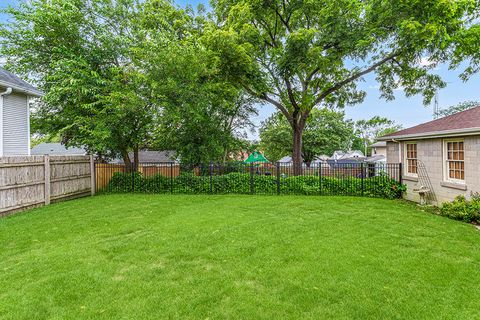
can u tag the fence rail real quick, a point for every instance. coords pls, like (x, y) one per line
(38, 180)
(361, 179)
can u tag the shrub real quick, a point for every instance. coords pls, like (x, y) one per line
(462, 209)
(241, 183)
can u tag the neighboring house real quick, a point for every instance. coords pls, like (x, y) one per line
(288, 161)
(15, 114)
(379, 158)
(149, 156)
(341, 155)
(56, 149)
(379, 148)
(442, 156)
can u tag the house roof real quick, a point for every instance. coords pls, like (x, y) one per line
(8, 79)
(57, 149)
(379, 144)
(462, 123)
(150, 156)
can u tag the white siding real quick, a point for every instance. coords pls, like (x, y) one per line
(15, 125)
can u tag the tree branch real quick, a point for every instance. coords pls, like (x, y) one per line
(354, 77)
(291, 96)
(265, 97)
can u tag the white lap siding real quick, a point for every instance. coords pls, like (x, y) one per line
(15, 125)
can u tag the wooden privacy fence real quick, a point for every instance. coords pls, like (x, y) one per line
(104, 172)
(37, 180)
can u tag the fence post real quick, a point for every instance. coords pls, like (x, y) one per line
(210, 170)
(92, 176)
(363, 179)
(252, 190)
(320, 175)
(47, 179)
(278, 178)
(171, 177)
(132, 170)
(400, 173)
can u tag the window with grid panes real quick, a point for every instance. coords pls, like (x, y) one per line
(455, 160)
(411, 158)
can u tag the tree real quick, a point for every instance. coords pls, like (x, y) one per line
(325, 132)
(462, 106)
(85, 56)
(299, 55)
(371, 129)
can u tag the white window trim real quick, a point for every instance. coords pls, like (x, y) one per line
(446, 177)
(406, 173)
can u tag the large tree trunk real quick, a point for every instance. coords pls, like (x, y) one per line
(136, 159)
(127, 161)
(297, 149)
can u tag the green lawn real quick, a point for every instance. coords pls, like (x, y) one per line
(249, 257)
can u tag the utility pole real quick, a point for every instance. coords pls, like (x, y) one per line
(436, 108)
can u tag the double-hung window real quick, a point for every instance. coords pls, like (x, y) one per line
(411, 158)
(455, 161)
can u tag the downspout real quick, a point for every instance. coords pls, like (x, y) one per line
(2, 94)
(399, 150)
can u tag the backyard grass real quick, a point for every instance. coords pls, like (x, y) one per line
(237, 257)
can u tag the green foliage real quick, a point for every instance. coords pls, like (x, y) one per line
(462, 106)
(125, 75)
(85, 56)
(369, 130)
(240, 183)
(326, 131)
(298, 55)
(463, 209)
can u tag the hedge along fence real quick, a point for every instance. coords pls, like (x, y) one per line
(358, 180)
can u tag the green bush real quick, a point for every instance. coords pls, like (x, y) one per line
(241, 183)
(462, 209)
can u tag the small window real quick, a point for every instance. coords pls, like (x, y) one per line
(411, 158)
(455, 160)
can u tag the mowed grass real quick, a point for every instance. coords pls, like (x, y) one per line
(237, 257)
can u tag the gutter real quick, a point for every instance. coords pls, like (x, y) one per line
(399, 151)
(2, 94)
(34, 93)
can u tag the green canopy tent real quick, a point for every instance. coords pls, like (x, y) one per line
(256, 157)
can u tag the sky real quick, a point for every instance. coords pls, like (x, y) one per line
(405, 111)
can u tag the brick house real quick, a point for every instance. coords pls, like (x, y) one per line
(442, 156)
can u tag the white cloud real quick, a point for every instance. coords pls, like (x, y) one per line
(426, 62)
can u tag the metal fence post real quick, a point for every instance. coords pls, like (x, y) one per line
(363, 179)
(132, 170)
(278, 178)
(252, 189)
(320, 176)
(211, 176)
(171, 177)
(400, 173)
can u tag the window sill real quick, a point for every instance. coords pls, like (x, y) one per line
(453, 185)
(410, 178)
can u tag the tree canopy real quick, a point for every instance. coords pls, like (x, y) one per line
(124, 75)
(325, 132)
(369, 130)
(462, 106)
(299, 55)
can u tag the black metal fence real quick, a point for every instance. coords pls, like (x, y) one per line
(359, 178)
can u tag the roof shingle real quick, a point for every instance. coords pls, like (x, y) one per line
(461, 122)
(8, 79)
